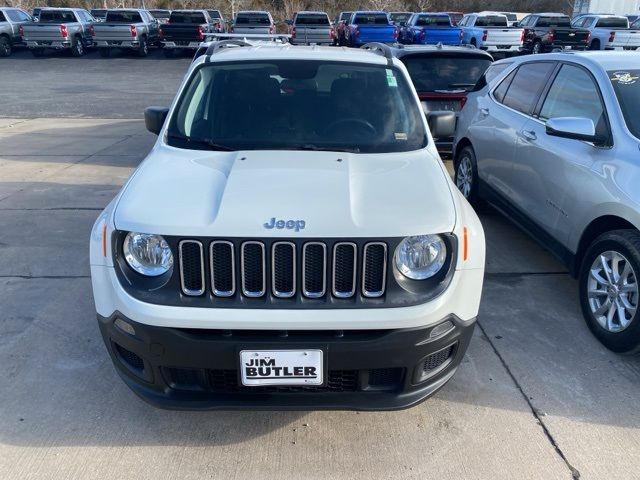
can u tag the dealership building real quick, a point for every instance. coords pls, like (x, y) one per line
(618, 7)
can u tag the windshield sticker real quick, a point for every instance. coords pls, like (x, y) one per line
(401, 136)
(624, 78)
(392, 82)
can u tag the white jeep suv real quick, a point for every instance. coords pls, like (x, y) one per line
(292, 240)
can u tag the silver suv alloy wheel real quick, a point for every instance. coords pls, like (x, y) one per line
(613, 291)
(464, 177)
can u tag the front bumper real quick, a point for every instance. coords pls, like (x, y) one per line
(193, 369)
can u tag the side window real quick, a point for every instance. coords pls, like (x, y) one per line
(527, 84)
(2, 19)
(463, 22)
(24, 17)
(13, 15)
(526, 21)
(500, 92)
(579, 23)
(566, 98)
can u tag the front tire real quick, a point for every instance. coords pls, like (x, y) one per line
(143, 48)
(609, 293)
(537, 48)
(5, 47)
(466, 174)
(595, 45)
(77, 49)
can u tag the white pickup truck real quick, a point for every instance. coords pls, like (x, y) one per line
(491, 32)
(292, 240)
(609, 32)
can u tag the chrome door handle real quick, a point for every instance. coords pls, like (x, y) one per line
(529, 135)
(484, 111)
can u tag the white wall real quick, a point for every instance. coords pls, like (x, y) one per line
(619, 7)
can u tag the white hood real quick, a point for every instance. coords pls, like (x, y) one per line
(202, 193)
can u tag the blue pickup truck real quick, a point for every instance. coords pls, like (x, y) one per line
(430, 29)
(365, 27)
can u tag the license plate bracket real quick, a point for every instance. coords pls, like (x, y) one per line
(291, 367)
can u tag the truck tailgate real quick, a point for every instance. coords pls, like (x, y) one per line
(42, 32)
(503, 37)
(112, 31)
(570, 37)
(312, 34)
(375, 33)
(446, 36)
(626, 38)
(181, 32)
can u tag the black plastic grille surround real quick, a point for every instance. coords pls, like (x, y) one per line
(336, 273)
(436, 360)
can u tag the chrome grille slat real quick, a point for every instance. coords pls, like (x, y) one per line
(191, 267)
(283, 269)
(314, 276)
(223, 268)
(374, 269)
(253, 268)
(344, 253)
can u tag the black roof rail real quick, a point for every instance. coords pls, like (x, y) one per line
(380, 48)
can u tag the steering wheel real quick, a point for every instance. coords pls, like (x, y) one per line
(357, 124)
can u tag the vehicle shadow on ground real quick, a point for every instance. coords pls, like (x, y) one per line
(92, 54)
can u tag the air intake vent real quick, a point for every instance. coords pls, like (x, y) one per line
(283, 266)
(314, 269)
(223, 279)
(253, 269)
(374, 269)
(191, 267)
(344, 269)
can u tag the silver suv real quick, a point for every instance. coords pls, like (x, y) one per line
(553, 141)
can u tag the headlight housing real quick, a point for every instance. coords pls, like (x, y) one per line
(147, 254)
(420, 257)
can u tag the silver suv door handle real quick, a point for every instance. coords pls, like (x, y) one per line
(484, 111)
(529, 135)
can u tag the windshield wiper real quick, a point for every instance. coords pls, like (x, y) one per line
(206, 142)
(316, 148)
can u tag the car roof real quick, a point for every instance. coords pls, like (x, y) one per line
(311, 12)
(291, 52)
(406, 50)
(607, 60)
(550, 14)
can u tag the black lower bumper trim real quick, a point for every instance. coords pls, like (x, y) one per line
(189, 369)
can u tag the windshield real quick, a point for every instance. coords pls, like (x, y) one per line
(554, 22)
(312, 19)
(400, 17)
(123, 17)
(214, 14)
(297, 105)
(626, 84)
(441, 73)
(371, 19)
(455, 18)
(344, 16)
(491, 21)
(187, 17)
(98, 13)
(253, 19)
(613, 22)
(57, 16)
(433, 20)
(160, 13)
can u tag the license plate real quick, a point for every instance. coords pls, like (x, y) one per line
(281, 367)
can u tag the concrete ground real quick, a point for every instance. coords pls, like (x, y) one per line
(536, 397)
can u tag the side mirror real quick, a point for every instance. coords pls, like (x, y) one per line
(574, 128)
(154, 118)
(442, 124)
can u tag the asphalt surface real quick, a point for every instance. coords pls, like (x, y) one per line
(536, 397)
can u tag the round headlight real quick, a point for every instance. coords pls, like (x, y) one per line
(420, 257)
(147, 254)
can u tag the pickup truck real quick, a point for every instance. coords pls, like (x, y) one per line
(609, 32)
(545, 32)
(491, 32)
(11, 21)
(430, 29)
(127, 29)
(370, 26)
(219, 283)
(185, 30)
(219, 25)
(254, 21)
(60, 29)
(340, 26)
(311, 28)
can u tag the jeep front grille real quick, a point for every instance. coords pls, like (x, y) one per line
(283, 269)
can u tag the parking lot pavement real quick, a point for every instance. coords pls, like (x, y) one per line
(536, 396)
(91, 86)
